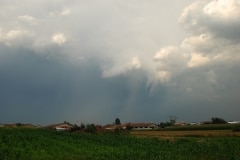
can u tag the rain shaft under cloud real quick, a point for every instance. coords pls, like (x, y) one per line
(87, 61)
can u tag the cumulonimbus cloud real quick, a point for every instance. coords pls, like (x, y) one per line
(213, 35)
(212, 40)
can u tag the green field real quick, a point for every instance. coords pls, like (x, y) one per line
(41, 144)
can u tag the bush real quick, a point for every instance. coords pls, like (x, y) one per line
(236, 128)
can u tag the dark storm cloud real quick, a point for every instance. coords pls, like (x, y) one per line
(31, 86)
(35, 89)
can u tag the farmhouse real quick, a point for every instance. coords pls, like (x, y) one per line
(181, 123)
(60, 127)
(233, 122)
(111, 126)
(142, 126)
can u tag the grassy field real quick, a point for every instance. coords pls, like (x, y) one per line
(41, 144)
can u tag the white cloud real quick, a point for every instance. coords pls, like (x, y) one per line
(223, 9)
(135, 64)
(119, 69)
(114, 71)
(66, 12)
(16, 37)
(219, 17)
(163, 76)
(28, 19)
(212, 40)
(171, 61)
(113, 31)
(197, 43)
(13, 34)
(164, 53)
(191, 16)
(58, 38)
(197, 60)
(63, 12)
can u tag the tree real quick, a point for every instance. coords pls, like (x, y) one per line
(91, 128)
(216, 120)
(75, 127)
(66, 122)
(82, 126)
(117, 121)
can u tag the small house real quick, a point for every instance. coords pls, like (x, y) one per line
(60, 127)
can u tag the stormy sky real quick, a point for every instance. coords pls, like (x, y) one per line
(142, 61)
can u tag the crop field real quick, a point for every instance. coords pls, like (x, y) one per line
(42, 144)
(195, 131)
(172, 135)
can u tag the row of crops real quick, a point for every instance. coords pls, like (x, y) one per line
(38, 144)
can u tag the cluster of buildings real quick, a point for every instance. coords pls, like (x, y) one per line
(133, 126)
(67, 126)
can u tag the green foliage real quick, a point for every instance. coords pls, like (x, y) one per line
(40, 144)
